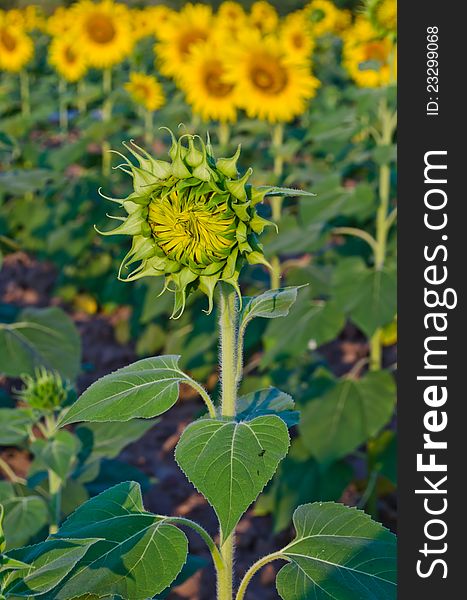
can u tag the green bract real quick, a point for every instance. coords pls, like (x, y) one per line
(44, 391)
(193, 220)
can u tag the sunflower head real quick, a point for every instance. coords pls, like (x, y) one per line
(192, 219)
(383, 16)
(16, 47)
(322, 17)
(146, 91)
(45, 390)
(66, 58)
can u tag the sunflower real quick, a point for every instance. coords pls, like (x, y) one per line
(369, 59)
(296, 37)
(205, 86)
(34, 18)
(65, 57)
(270, 85)
(180, 35)
(145, 90)
(60, 22)
(230, 19)
(264, 17)
(104, 31)
(192, 220)
(158, 17)
(323, 17)
(16, 47)
(383, 15)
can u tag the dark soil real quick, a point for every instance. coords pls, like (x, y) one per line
(26, 282)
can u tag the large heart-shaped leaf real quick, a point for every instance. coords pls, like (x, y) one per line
(338, 553)
(134, 554)
(41, 337)
(231, 462)
(145, 389)
(346, 416)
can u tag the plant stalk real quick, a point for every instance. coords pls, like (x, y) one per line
(224, 136)
(276, 201)
(63, 108)
(254, 569)
(228, 364)
(106, 117)
(148, 127)
(25, 93)
(81, 89)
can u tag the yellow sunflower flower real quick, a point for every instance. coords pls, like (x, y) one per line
(270, 85)
(34, 18)
(369, 59)
(230, 19)
(145, 90)
(323, 17)
(60, 22)
(383, 15)
(205, 86)
(65, 57)
(263, 16)
(104, 32)
(180, 35)
(296, 37)
(16, 47)
(158, 17)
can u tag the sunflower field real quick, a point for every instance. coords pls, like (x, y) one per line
(248, 151)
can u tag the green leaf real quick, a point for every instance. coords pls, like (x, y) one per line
(270, 304)
(267, 402)
(230, 462)
(133, 554)
(310, 325)
(338, 553)
(283, 191)
(14, 426)
(145, 389)
(58, 453)
(25, 516)
(346, 416)
(50, 562)
(368, 295)
(41, 337)
(107, 440)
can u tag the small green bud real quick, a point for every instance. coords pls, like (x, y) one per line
(43, 391)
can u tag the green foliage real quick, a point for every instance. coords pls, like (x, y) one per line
(338, 552)
(230, 463)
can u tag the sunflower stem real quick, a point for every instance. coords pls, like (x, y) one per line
(254, 569)
(224, 136)
(383, 224)
(228, 338)
(82, 105)
(148, 127)
(106, 118)
(63, 108)
(276, 201)
(25, 93)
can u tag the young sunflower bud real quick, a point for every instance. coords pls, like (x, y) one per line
(196, 226)
(44, 391)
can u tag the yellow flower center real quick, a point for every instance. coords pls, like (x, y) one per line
(214, 82)
(189, 38)
(268, 75)
(298, 40)
(100, 28)
(188, 230)
(7, 40)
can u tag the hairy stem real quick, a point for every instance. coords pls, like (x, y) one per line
(254, 569)
(204, 395)
(228, 364)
